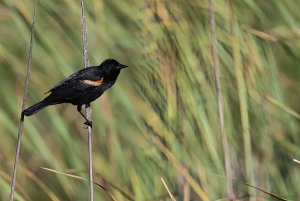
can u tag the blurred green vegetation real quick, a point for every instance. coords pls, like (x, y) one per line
(161, 117)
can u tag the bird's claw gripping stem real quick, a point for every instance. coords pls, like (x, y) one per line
(89, 123)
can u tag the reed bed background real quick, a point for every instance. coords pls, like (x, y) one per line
(160, 120)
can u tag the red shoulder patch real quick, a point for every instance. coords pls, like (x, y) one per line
(94, 82)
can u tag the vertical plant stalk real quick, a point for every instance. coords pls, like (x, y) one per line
(243, 100)
(21, 124)
(88, 111)
(220, 102)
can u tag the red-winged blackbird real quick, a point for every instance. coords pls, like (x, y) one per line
(81, 88)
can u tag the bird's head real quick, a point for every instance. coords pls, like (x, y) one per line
(112, 66)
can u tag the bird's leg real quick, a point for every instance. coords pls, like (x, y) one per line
(88, 122)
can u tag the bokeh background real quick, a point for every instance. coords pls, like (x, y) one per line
(160, 120)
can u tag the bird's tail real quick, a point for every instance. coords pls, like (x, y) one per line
(35, 108)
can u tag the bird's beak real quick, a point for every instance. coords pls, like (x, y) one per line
(122, 66)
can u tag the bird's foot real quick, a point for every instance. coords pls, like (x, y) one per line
(89, 123)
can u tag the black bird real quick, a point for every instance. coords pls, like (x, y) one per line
(81, 88)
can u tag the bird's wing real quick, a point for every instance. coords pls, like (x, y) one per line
(82, 80)
(64, 81)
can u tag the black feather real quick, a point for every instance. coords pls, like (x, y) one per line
(35, 108)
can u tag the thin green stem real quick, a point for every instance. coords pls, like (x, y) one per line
(88, 110)
(220, 102)
(21, 124)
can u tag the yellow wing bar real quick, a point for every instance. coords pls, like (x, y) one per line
(94, 82)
